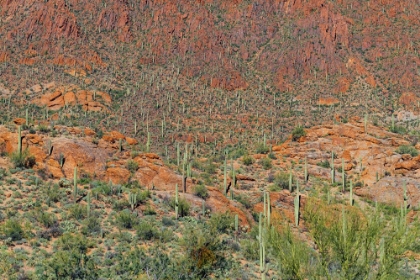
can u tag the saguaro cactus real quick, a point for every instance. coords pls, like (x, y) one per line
(132, 199)
(75, 184)
(405, 197)
(296, 204)
(20, 140)
(88, 204)
(225, 177)
(176, 201)
(290, 180)
(343, 175)
(332, 168)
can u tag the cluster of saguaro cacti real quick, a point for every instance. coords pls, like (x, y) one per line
(132, 199)
(262, 247)
(263, 225)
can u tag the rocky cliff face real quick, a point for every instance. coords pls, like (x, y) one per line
(291, 41)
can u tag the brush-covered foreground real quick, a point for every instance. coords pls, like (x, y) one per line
(91, 229)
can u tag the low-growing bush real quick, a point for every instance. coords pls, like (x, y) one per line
(147, 231)
(266, 163)
(297, 133)
(201, 191)
(125, 219)
(406, 149)
(247, 160)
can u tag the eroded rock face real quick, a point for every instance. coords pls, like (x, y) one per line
(59, 97)
(368, 157)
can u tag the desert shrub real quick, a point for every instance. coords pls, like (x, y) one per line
(70, 259)
(398, 129)
(297, 133)
(296, 258)
(406, 149)
(353, 244)
(203, 251)
(167, 222)
(43, 128)
(125, 219)
(22, 159)
(324, 163)
(77, 211)
(183, 206)
(247, 160)
(222, 222)
(281, 180)
(91, 225)
(46, 219)
(54, 231)
(12, 229)
(250, 249)
(201, 191)
(120, 204)
(262, 149)
(266, 163)
(54, 193)
(147, 231)
(132, 166)
(244, 200)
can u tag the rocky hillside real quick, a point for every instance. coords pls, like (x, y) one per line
(192, 63)
(105, 198)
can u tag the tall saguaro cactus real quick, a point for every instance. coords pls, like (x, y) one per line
(332, 168)
(20, 140)
(75, 184)
(296, 204)
(225, 177)
(176, 201)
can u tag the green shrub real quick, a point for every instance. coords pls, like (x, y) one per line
(78, 212)
(12, 229)
(266, 163)
(147, 231)
(250, 249)
(91, 225)
(23, 159)
(262, 149)
(247, 160)
(325, 163)
(297, 133)
(125, 219)
(222, 222)
(281, 180)
(398, 129)
(244, 200)
(406, 149)
(132, 166)
(201, 191)
(183, 206)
